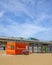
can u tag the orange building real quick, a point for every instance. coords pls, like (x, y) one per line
(17, 48)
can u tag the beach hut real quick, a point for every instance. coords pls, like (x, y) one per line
(17, 48)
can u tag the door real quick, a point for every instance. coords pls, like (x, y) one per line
(30, 49)
(35, 49)
(27, 47)
(39, 49)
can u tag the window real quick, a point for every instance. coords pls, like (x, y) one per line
(26, 47)
(12, 47)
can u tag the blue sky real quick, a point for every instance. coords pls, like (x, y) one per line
(26, 18)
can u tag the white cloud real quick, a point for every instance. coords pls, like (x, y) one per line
(40, 2)
(15, 6)
(22, 30)
(25, 29)
(32, 2)
(39, 19)
(45, 35)
(1, 14)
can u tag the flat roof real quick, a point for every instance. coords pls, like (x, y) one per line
(6, 39)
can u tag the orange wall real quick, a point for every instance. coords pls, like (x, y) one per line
(8, 48)
(18, 47)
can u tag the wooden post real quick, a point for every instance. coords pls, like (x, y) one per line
(32, 49)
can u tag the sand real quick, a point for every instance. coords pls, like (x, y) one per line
(32, 59)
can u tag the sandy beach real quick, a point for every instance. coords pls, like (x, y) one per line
(32, 59)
